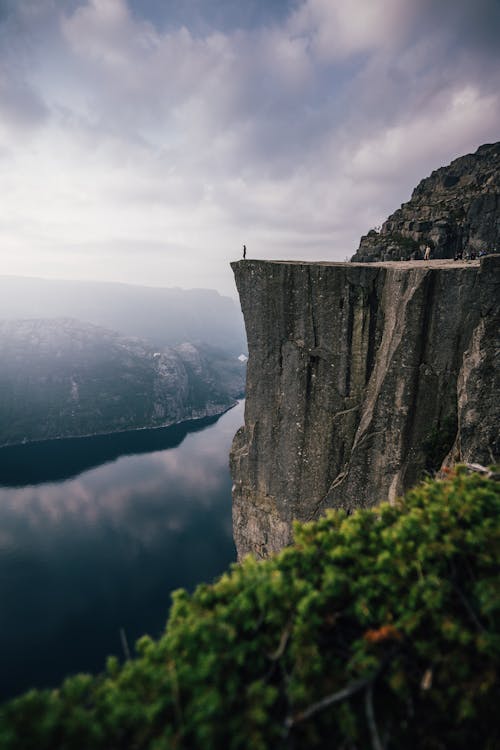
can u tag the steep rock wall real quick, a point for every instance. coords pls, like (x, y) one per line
(456, 209)
(360, 377)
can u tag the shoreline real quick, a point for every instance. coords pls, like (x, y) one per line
(216, 413)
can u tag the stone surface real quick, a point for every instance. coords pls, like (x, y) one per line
(456, 209)
(360, 378)
(65, 378)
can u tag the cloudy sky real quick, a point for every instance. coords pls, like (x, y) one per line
(145, 141)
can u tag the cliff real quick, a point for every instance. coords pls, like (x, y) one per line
(66, 378)
(360, 378)
(456, 209)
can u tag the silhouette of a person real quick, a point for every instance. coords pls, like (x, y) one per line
(244, 252)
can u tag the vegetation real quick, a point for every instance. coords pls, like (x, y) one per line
(377, 630)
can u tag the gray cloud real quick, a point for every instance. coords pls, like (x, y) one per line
(203, 15)
(291, 126)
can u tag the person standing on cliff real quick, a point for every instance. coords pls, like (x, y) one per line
(244, 252)
(427, 255)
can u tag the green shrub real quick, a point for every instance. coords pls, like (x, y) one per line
(378, 630)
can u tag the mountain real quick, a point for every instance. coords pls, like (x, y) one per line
(164, 317)
(456, 209)
(64, 378)
(364, 377)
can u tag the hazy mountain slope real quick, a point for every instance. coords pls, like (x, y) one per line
(62, 377)
(165, 317)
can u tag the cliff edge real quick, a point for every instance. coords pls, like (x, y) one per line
(360, 378)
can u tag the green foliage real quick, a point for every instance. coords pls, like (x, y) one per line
(393, 613)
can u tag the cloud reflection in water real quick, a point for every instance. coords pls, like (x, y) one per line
(83, 557)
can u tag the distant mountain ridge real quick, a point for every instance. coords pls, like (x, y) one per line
(163, 316)
(456, 209)
(66, 378)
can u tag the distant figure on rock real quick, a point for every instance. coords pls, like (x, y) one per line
(459, 255)
(427, 254)
(244, 252)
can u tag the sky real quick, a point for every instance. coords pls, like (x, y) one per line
(145, 141)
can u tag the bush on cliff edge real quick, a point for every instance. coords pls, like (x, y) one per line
(378, 630)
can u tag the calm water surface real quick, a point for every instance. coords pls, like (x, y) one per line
(94, 535)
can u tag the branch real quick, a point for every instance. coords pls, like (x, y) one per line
(328, 700)
(282, 644)
(475, 619)
(370, 717)
(340, 695)
(123, 639)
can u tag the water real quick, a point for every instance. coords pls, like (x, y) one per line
(94, 535)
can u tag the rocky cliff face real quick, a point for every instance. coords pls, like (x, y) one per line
(360, 377)
(456, 209)
(65, 378)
